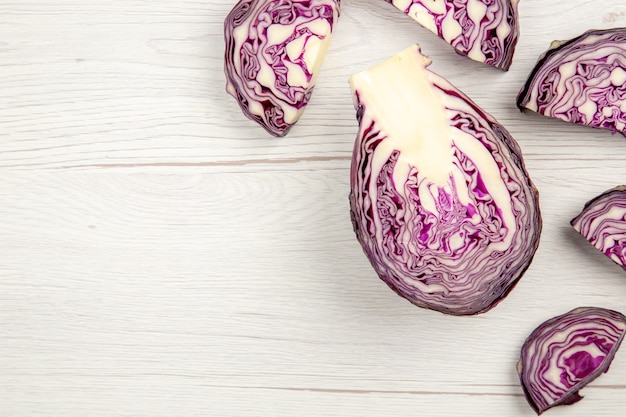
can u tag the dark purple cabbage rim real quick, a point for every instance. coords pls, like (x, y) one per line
(547, 55)
(587, 374)
(618, 189)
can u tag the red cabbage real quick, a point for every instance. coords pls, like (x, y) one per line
(274, 50)
(483, 30)
(566, 353)
(440, 199)
(603, 223)
(581, 81)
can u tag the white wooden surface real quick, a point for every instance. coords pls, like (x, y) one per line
(160, 255)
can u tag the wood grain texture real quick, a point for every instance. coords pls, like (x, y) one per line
(161, 256)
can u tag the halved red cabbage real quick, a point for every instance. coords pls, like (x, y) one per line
(581, 81)
(483, 30)
(566, 353)
(274, 51)
(440, 199)
(602, 222)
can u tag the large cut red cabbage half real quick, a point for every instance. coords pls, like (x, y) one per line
(581, 81)
(274, 51)
(440, 199)
(566, 353)
(483, 30)
(602, 222)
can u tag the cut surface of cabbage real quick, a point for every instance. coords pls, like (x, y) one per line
(581, 81)
(567, 352)
(274, 53)
(440, 198)
(483, 30)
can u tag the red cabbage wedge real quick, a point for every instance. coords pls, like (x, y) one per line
(603, 223)
(566, 353)
(483, 30)
(274, 51)
(440, 199)
(581, 81)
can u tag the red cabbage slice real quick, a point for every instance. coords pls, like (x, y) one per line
(483, 30)
(603, 223)
(274, 51)
(581, 81)
(566, 353)
(440, 198)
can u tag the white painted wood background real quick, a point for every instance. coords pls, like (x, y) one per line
(160, 255)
